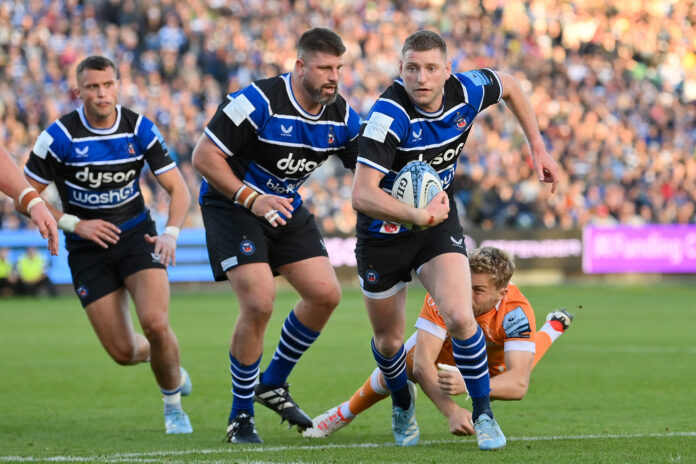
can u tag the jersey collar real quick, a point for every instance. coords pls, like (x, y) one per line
(421, 111)
(296, 104)
(108, 130)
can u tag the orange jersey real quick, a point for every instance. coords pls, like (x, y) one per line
(509, 326)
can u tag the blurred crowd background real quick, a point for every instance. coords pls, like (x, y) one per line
(613, 85)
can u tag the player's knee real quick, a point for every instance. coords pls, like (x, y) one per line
(387, 345)
(461, 325)
(155, 329)
(256, 312)
(124, 355)
(328, 298)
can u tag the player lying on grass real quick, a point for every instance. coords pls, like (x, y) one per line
(513, 345)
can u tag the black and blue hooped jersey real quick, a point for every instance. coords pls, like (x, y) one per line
(272, 144)
(397, 132)
(97, 171)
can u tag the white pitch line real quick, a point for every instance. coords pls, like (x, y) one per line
(153, 456)
(637, 349)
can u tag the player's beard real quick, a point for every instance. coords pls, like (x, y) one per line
(319, 97)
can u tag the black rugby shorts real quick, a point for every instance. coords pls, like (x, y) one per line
(96, 271)
(235, 236)
(385, 265)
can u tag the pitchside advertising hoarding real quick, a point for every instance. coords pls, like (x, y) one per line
(533, 249)
(645, 249)
(596, 250)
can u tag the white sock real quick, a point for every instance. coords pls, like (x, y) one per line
(552, 333)
(345, 411)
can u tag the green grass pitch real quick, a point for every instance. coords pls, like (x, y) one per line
(617, 388)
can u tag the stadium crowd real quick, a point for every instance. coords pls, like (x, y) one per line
(613, 85)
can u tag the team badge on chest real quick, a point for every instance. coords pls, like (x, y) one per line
(460, 122)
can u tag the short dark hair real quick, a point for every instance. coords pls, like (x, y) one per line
(320, 39)
(99, 63)
(424, 40)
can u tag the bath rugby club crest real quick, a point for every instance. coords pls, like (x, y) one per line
(247, 247)
(82, 291)
(460, 122)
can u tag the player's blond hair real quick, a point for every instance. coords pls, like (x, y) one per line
(493, 261)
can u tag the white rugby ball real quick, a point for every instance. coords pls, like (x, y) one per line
(416, 185)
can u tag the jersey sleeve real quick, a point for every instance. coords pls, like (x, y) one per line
(153, 145)
(49, 151)
(349, 154)
(430, 319)
(483, 87)
(519, 323)
(381, 133)
(238, 119)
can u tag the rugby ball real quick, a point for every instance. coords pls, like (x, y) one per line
(416, 185)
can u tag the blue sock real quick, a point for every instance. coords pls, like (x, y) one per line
(243, 381)
(394, 371)
(295, 339)
(472, 361)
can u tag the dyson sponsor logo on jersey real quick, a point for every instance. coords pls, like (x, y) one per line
(95, 179)
(291, 166)
(444, 157)
(110, 198)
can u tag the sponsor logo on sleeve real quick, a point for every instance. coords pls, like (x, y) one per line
(42, 144)
(516, 324)
(377, 126)
(479, 78)
(159, 136)
(238, 109)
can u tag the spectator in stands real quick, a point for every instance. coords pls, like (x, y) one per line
(8, 277)
(31, 274)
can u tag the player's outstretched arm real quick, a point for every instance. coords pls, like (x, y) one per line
(210, 161)
(428, 347)
(545, 166)
(179, 203)
(13, 184)
(513, 383)
(370, 199)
